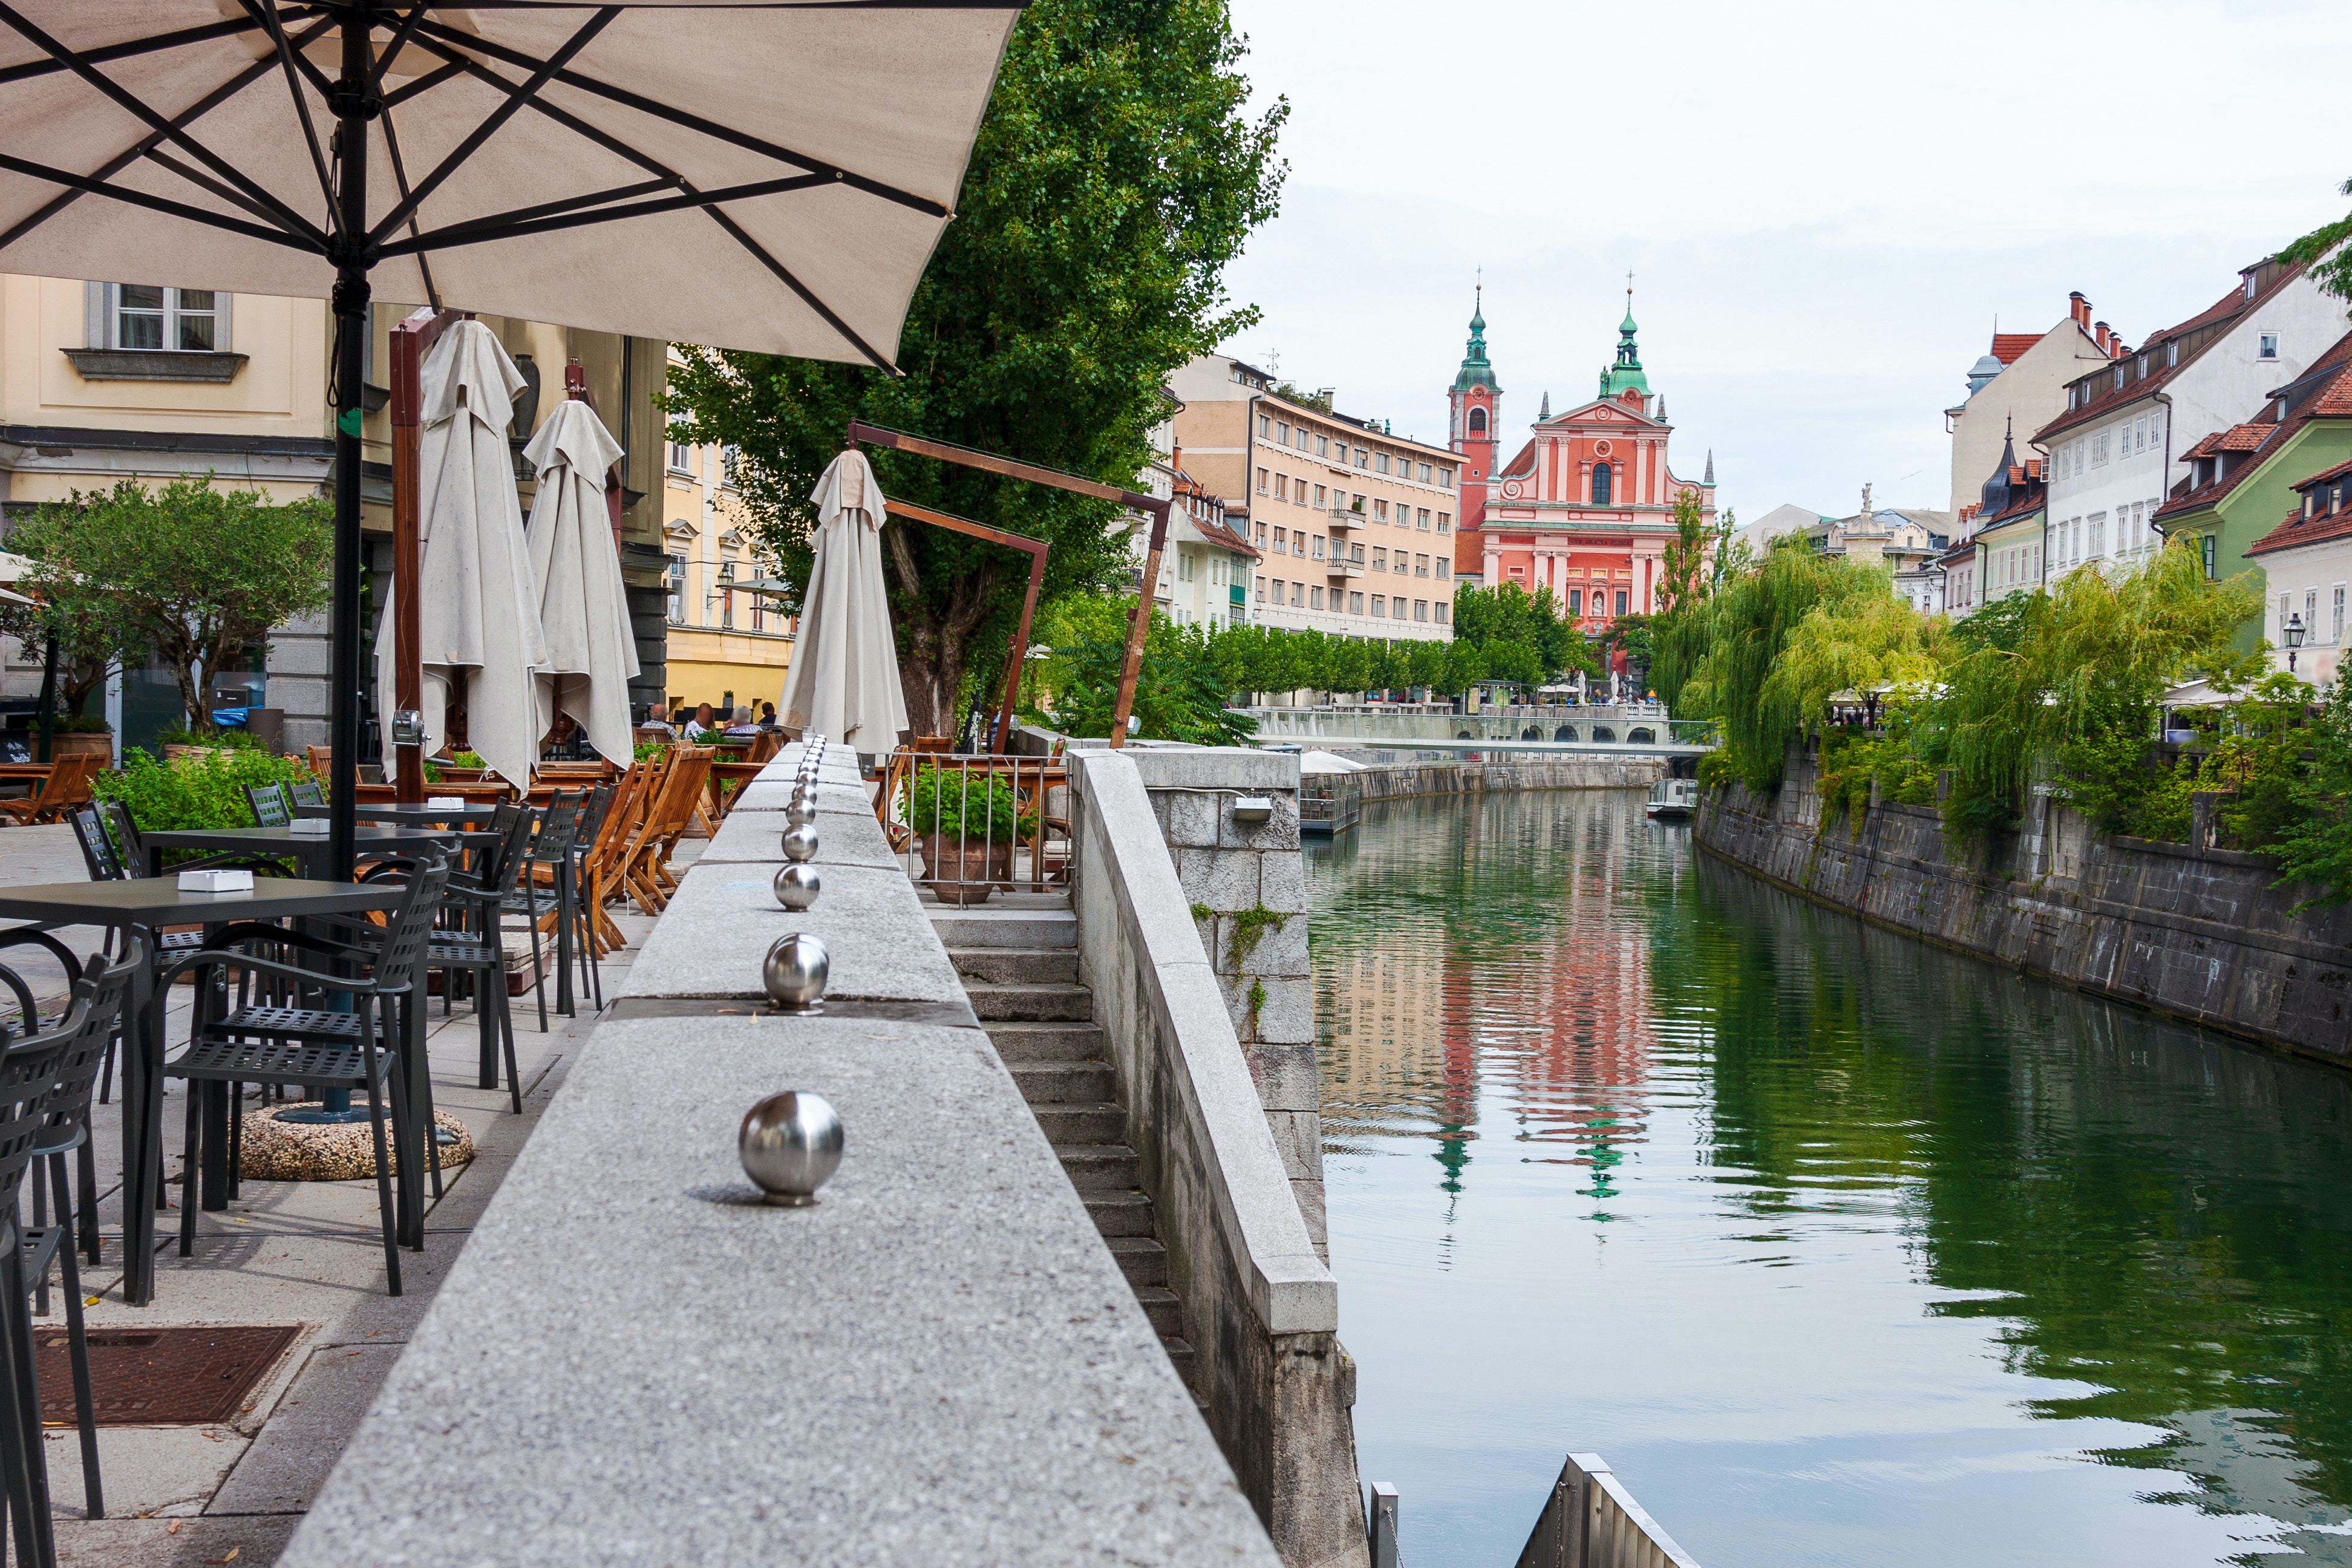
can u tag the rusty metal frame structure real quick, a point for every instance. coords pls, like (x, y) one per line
(412, 339)
(1139, 625)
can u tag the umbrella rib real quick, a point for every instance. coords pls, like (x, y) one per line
(129, 103)
(83, 183)
(138, 149)
(808, 296)
(400, 177)
(400, 36)
(133, 47)
(711, 129)
(204, 182)
(543, 219)
(516, 97)
(268, 19)
(424, 84)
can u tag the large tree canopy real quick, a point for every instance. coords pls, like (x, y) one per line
(1115, 176)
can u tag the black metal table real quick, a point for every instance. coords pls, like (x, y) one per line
(146, 906)
(308, 851)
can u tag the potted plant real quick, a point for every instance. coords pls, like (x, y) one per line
(83, 735)
(965, 823)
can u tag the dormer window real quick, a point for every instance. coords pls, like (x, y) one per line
(2118, 378)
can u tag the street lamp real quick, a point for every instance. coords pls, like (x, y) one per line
(2293, 638)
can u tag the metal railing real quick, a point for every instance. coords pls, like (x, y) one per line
(1591, 1520)
(965, 826)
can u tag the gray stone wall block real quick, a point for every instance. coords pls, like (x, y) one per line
(1311, 1209)
(1285, 1076)
(1279, 831)
(1282, 884)
(297, 655)
(1217, 767)
(1286, 1017)
(1299, 1135)
(1223, 880)
(1192, 819)
(298, 695)
(1281, 951)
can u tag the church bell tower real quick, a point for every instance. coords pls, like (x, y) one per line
(1476, 405)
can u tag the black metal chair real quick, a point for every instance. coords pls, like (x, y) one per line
(310, 1046)
(476, 946)
(272, 803)
(551, 849)
(308, 792)
(583, 918)
(29, 1083)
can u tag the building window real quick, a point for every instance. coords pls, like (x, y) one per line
(1444, 566)
(677, 590)
(1477, 421)
(2099, 449)
(681, 457)
(1319, 497)
(1445, 475)
(1318, 547)
(1282, 487)
(1282, 432)
(1261, 590)
(1420, 519)
(1445, 523)
(2269, 349)
(1424, 473)
(1421, 609)
(1261, 481)
(1379, 511)
(2335, 621)
(1322, 445)
(1621, 601)
(1379, 462)
(1302, 437)
(1600, 484)
(1438, 609)
(1421, 566)
(1355, 604)
(726, 594)
(1576, 601)
(1363, 459)
(1380, 604)
(1265, 424)
(179, 321)
(731, 465)
(1296, 597)
(1314, 598)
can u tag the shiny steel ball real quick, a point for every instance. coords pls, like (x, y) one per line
(794, 970)
(801, 813)
(790, 1144)
(797, 887)
(800, 843)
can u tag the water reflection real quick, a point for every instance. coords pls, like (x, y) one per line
(1841, 1249)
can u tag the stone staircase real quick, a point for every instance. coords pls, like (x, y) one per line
(1019, 960)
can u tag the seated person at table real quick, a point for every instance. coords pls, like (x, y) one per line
(768, 717)
(657, 719)
(704, 719)
(742, 726)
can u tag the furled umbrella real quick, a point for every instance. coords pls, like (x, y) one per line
(749, 173)
(592, 651)
(842, 682)
(477, 604)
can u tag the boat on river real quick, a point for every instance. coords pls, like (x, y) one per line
(1672, 800)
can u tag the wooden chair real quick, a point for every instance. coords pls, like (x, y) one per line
(321, 760)
(670, 807)
(67, 786)
(601, 866)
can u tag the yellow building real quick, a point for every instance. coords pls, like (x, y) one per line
(726, 646)
(105, 380)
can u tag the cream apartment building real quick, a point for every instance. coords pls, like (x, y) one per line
(726, 646)
(103, 381)
(1355, 525)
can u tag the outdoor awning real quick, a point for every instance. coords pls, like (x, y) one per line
(746, 174)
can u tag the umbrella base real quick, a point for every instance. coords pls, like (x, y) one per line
(279, 1149)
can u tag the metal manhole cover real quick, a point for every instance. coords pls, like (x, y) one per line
(159, 1377)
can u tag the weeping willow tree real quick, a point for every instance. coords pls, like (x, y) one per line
(2089, 658)
(1783, 638)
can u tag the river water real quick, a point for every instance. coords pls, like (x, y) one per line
(1840, 1250)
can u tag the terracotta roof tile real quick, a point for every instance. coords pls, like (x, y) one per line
(2227, 306)
(2242, 437)
(2007, 347)
(2299, 530)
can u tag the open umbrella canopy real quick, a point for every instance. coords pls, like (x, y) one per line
(583, 609)
(477, 603)
(844, 679)
(749, 173)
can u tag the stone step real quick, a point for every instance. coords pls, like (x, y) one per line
(981, 926)
(1181, 1356)
(1102, 1123)
(1161, 1306)
(1063, 1083)
(1119, 1214)
(1030, 1003)
(1017, 965)
(1140, 1257)
(1046, 1040)
(1099, 1167)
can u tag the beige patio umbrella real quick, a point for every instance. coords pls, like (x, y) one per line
(477, 603)
(746, 174)
(842, 682)
(583, 610)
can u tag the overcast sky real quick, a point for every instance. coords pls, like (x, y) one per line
(1825, 207)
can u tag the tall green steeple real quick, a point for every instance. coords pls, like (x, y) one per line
(1627, 372)
(1475, 370)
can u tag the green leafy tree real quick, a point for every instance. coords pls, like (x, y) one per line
(2323, 249)
(193, 574)
(1181, 693)
(1115, 174)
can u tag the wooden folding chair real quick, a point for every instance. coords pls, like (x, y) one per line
(67, 786)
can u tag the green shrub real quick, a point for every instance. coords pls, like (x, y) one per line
(195, 791)
(83, 724)
(468, 759)
(968, 807)
(1717, 769)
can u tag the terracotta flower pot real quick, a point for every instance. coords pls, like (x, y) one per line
(98, 743)
(964, 873)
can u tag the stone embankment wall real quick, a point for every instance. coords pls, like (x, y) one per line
(1596, 771)
(1216, 1071)
(2200, 934)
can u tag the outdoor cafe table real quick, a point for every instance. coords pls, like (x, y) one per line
(146, 906)
(308, 851)
(470, 815)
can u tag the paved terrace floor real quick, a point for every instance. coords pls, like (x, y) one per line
(284, 1252)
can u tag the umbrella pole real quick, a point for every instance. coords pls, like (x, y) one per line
(353, 102)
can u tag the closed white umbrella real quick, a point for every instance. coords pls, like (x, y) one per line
(477, 612)
(591, 651)
(844, 679)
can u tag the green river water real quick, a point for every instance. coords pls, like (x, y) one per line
(1840, 1249)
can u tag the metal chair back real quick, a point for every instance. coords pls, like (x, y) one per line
(97, 849)
(410, 925)
(132, 849)
(308, 792)
(108, 989)
(273, 805)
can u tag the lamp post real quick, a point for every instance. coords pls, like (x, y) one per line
(2293, 638)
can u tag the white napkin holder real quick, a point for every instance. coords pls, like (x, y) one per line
(309, 827)
(453, 802)
(225, 881)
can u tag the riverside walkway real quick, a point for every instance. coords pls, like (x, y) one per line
(633, 1362)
